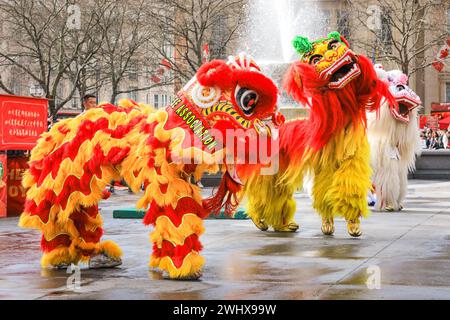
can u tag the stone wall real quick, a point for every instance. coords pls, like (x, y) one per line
(433, 165)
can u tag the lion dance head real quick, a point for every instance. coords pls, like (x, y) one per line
(337, 84)
(227, 103)
(407, 100)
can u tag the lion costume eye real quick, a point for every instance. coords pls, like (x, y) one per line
(400, 88)
(333, 44)
(246, 99)
(315, 59)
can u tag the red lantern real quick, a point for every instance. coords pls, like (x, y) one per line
(166, 63)
(155, 79)
(439, 66)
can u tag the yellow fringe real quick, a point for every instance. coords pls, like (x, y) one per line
(270, 200)
(166, 230)
(57, 257)
(192, 265)
(341, 184)
(111, 249)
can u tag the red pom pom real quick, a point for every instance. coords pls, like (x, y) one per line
(439, 66)
(215, 74)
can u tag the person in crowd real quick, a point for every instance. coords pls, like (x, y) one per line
(428, 138)
(445, 139)
(89, 102)
(436, 141)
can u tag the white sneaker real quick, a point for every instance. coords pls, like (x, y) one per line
(101, 261)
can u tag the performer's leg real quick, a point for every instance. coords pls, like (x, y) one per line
(255, 209)
(56, 235)
(86, 245)
(320, 203)
(403, 177)
(176, 245)
(271, 203)
(76, 240)
(287, 223)
(56, 252)
(388, 185)
(348, 191)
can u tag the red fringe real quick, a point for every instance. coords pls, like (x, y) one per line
(80, 218)
(60, 241)
(178, 253)
(331, 110)
(184, 206)
(297, 131)
(51, 163)
(228, 190)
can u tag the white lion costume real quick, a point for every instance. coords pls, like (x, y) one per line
(394, 141)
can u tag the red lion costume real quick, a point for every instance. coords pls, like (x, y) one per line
(331, 146)
(72, 164)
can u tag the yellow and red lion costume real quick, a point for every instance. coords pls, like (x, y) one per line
(331, 146)
(160, 150)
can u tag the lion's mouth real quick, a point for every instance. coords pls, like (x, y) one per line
(344, 75)
(403, 109)
(405, 106)
(342, 72)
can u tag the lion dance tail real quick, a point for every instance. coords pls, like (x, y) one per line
(69, 170)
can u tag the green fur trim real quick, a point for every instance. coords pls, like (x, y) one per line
(335, 35)
(302, 45)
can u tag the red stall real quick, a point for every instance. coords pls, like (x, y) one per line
(22, 121)
(439, 118)
(442, 112)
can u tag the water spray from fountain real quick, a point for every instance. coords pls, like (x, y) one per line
(269, 30)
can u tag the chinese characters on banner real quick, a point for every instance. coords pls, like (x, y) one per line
(3, 189)
(22, 121)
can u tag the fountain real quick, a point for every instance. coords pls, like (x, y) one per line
(269, 30)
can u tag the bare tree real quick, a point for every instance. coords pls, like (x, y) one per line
(125, 56)
(400, 31)
(49, 48)
(185, 27)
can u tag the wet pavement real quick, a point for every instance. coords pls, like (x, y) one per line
(411, 251)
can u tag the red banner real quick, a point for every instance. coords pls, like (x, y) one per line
(3, 181)
(16, 193)
(433, 122)
(440, 107)
(22, 121)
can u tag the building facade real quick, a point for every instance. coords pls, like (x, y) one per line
(432, 85)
